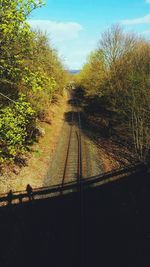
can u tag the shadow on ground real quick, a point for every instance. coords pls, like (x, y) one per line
(103, 226)
(97, 125)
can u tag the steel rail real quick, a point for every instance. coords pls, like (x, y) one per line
(68, 150)
(79, 156)
(79, 146)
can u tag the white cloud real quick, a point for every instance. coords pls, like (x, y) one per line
(74, 53)
(147, 32)
(66, 38)
(58, 31)
(136, 21)
(147, 1)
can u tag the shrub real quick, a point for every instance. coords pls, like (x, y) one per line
(16, 125)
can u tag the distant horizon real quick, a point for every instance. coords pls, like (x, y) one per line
(75, 28)
(75, 71)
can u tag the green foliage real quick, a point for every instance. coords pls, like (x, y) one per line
(16, 122)
(14, 34)
(93, 73)
(28, 66)
(37, 81)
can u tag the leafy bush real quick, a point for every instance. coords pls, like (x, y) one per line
(16, 125)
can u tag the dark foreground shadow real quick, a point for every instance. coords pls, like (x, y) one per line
(103, 226)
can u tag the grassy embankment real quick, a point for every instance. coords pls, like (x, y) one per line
(40, 157)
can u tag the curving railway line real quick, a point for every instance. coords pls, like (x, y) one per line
(75, 156)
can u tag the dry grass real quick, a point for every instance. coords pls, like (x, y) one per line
(113, 155)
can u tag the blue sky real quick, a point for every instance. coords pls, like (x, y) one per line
(75, 26)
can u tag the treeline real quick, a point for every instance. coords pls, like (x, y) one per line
(116, 79)
(31, 76)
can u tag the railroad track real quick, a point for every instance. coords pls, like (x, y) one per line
(73, 158)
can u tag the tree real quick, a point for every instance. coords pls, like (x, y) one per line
(121, 83)
(92, 74)
(14, 35)
(29, 66)
(115, 44)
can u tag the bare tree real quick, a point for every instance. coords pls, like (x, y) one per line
(116, 44)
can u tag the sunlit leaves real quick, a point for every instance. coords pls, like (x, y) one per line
(14, 124)
(28, 65)
(13, 30)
